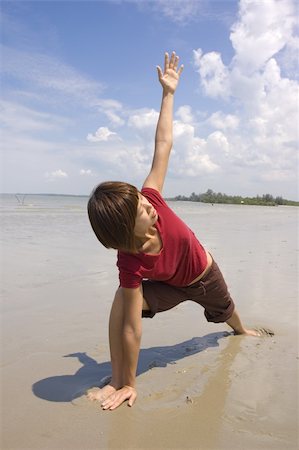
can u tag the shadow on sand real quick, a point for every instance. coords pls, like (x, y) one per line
(66, 388)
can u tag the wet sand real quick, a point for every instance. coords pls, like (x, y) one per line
(199, 387)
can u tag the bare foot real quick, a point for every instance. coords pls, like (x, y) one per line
(257, 332)
(252, 333)
(265, 332)
(100, 394)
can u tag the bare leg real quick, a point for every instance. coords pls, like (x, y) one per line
(235, 323)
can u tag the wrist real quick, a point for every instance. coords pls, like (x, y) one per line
(167, 93)
(129, 386)
(117, 384)
(129, 382)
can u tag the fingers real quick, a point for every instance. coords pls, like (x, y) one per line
(112, 402)
(166, 62)
(171, 63)
(132, 399)
(180, 69)
(116, 399)
(160, 73)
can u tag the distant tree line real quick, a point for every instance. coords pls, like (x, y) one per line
(212, 197)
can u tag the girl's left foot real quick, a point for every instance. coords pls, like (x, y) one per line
(257, 332)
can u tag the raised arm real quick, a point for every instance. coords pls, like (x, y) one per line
(169, 79)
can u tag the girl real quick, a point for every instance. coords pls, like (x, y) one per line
(160, 261)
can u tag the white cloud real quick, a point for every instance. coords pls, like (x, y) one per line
(182, 12)
(48, 73)
(261, 128)
(199, 164)
(276, 175)
(179, 11)
(19, 118)
(264, 28)
(114, 118)
(113, 110)
(191, 155)
(102, 134)
(109, 103)
(85, 172)
(217, 143)
(182, 130)
(184, 113)
(214, 74)
(288, 57)
(56, 174)
(223, 121)
(143, 118)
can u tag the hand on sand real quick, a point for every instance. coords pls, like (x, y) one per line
(120, 396)
(100, 394)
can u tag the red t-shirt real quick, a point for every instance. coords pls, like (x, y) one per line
(181, 259)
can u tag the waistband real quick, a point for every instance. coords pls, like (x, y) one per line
(205, 273)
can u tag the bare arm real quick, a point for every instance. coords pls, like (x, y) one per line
(163, 141)
(132, 331)
(125, 336)
(115, 339)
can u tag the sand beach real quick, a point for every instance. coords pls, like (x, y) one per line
(199, 387)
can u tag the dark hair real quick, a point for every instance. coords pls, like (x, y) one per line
(112, 210)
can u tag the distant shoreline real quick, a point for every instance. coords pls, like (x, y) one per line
(218, 198)
(208, 197)
(290, 202)
(44, 194)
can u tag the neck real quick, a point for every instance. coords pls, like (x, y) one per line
(144, 242)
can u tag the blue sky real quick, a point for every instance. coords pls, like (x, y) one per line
(80, 96)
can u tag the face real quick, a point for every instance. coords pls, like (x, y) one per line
(146, 216)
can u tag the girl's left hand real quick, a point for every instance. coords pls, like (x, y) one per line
(170, 77)
(121, 395)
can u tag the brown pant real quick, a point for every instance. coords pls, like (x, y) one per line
(210, 292)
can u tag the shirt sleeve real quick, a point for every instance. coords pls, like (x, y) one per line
(129, 276)
(153, 196)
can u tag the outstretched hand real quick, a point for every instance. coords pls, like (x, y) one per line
(120, 396)
(170, 77)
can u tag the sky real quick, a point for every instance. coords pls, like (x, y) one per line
(80, 95)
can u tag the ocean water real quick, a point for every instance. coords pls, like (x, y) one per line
(43, 239)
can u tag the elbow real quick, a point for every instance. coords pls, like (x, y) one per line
(167, 141)
(163, 147)
(132, 333)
